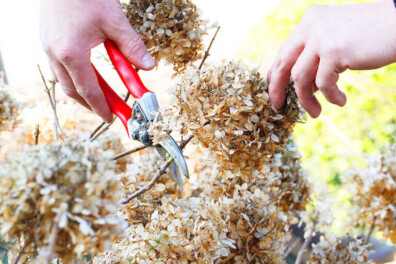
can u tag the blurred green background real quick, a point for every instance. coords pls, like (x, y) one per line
(342, 137)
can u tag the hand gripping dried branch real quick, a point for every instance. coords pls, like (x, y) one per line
(161, 172)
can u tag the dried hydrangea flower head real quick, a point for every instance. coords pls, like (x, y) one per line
(339, 250)
(70, 188)
(139, 172)
(373, 191)
(8, 108)
(287, 180)
(214, 222)
(171, 29)
(227, 107)
(196, 230)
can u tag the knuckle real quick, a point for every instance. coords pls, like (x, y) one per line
(70, 92)
(333, 51)
(134, 46)
(321, 84)
(86, 93)
(281, 65)
(296, 75)
(66, 54)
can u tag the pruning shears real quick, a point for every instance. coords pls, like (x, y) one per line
(143, 111)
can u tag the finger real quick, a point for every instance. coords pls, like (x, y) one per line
(280, 72)
(129, 43)
(67, 83)
(269, 73)
(86, 83)
(303, 73)
(326, 80)
(54, 77)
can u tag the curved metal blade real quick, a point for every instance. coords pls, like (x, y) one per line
(175, 152)
(172, 167)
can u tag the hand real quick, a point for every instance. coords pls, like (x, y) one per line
(69, 29)
(327, 41)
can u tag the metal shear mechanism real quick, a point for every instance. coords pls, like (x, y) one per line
(144, 110)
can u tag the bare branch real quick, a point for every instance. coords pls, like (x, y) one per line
(161, 172)
(306, 242)
(207, 51)
(36, 134)
(53, 237)
(52, 101)
(3, 248)
(22, 250)
(292, 246)
(96, 133)
(55, 117)
(367, 239)
(128, 152)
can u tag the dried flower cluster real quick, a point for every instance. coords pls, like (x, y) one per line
(339, 250)
(171, 29)
(217, 222)
(227, 108)
(373, 190)
(61, 200)
(288, 181)
(8, 108)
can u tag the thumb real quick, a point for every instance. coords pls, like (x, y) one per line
(130, 44)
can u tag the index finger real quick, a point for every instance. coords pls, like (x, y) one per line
(280, 71)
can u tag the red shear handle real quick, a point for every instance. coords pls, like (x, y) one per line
(116, 104)
(125, 70)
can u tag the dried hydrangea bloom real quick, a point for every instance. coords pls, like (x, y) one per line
(8, 108)
(373, 191)
(287, 180)
(139, 172)
(171, 29)
(72, 186)
(214, 222)
(227, 108)
(196, 230)
(339, 250)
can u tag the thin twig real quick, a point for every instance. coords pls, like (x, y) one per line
(55, 117)
(292, 246)
(53, 105)
(22, 250)
(4, 248)
(96, 133)
(367, 239)
(97, 129)
(306, 242)
(128, 152)
(206, 55)
(53, 237)
(161, 172)
(36, 134)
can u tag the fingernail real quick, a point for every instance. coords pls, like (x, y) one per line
(148, 61)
